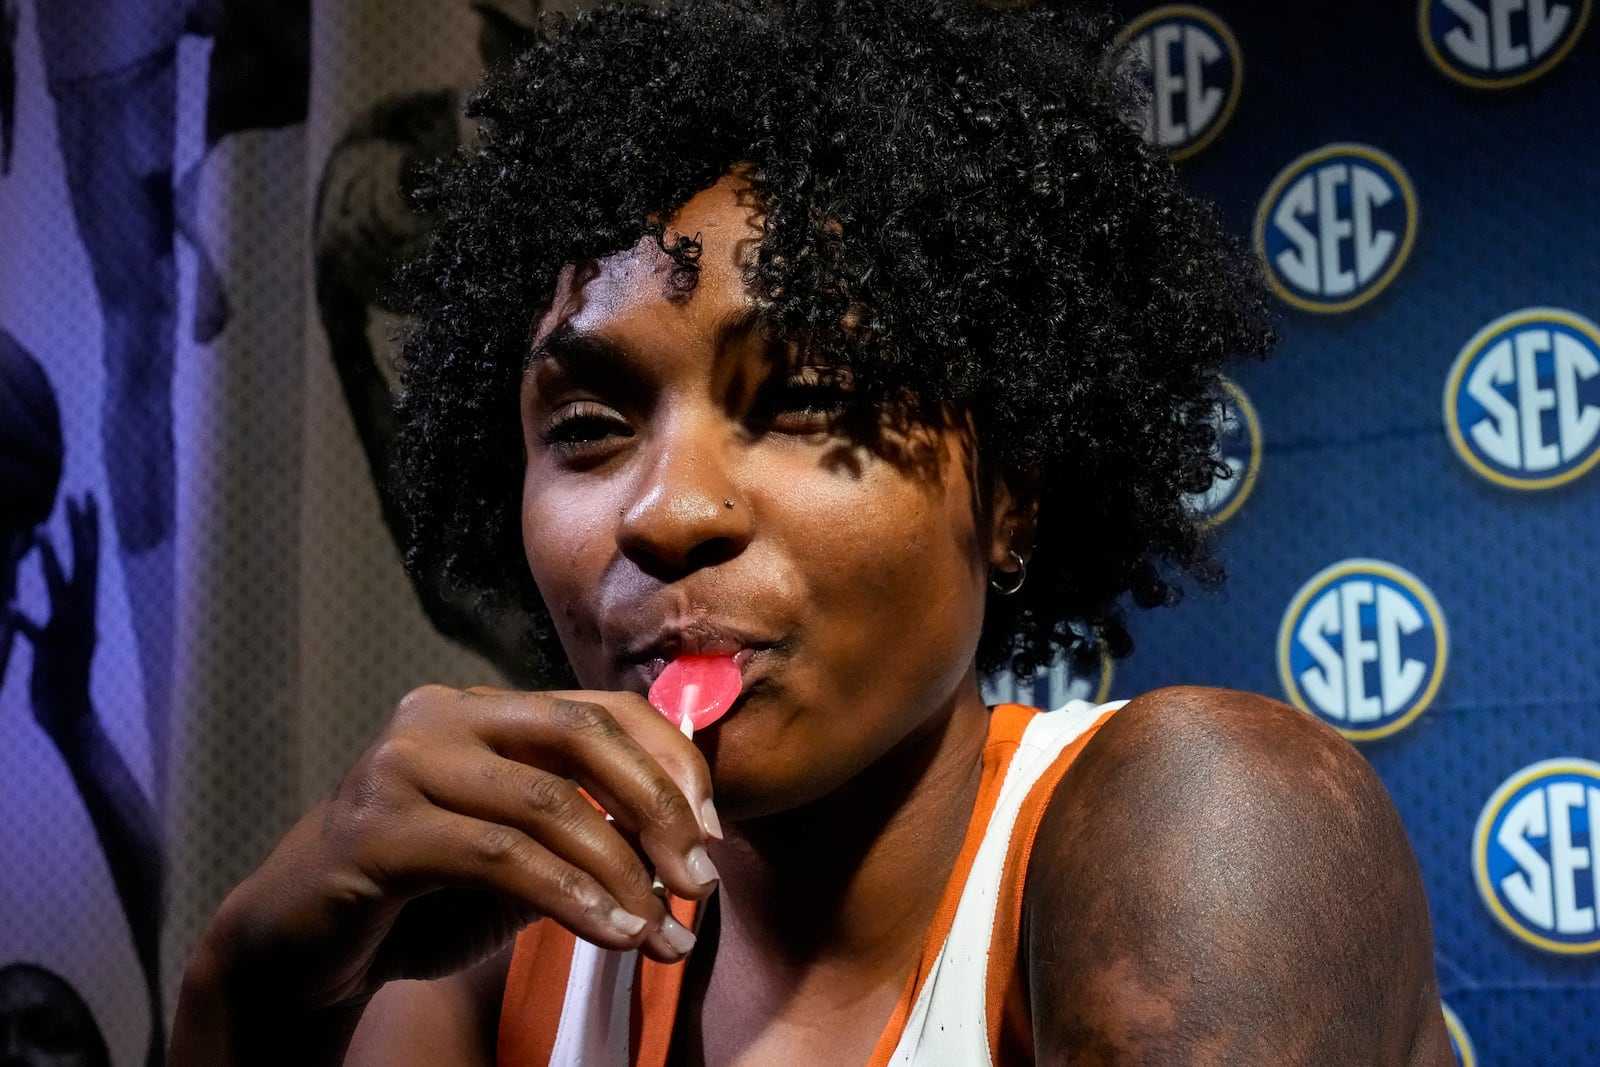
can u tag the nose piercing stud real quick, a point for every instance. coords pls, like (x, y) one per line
(727, 503)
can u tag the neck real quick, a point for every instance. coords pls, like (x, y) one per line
(857, 875)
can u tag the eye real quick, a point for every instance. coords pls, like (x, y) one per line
(584, 428)
(805, 400)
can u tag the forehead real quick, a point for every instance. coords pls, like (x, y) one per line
(637, 284)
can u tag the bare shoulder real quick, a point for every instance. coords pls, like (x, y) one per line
(451, 1020)
(1222, 879)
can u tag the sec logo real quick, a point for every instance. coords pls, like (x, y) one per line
(1536, 855)
(1336, 226)
(1460, 1042)
(1495, 44)
(1363, 647)
(1239, 449)
(1052, 686)
(1522, 401)
(1192, 67)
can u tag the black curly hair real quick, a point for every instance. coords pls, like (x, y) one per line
(956, 205)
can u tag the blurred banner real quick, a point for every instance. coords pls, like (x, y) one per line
(202, 613)
(205, 613)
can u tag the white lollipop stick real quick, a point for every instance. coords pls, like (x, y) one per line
(686, 703)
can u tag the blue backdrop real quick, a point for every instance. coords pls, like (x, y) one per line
(1458, 643)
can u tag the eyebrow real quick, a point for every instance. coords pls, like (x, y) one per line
(575, 348)
(569, 347)
(738, 326)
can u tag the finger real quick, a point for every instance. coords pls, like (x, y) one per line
(683, 762)
(657, 808)
(17, 549)
(550, 810)
(26, 626)
(678, 756)
(54, 577)
(84, 522)
(438, 849)
(582, 739)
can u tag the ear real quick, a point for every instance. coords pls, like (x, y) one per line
(1013, 516)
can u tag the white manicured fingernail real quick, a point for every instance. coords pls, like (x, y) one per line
(709, 820)
(677, 936)
(625, 923)
(701, 869)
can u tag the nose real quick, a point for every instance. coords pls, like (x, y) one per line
(687, 510)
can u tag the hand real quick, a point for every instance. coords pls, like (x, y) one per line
(13, 549)
(463, 823)
(63, 648)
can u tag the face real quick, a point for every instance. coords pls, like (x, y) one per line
(690, 489)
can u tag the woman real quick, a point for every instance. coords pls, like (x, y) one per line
(869, 347)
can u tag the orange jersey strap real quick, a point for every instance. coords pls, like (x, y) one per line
(1006, 724)
(536, 991)
(542, 958)
(1008, 1012)
(536, 986)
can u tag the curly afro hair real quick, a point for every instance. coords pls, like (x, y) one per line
(956, 205)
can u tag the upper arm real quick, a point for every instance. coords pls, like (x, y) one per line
(453, 1020)
(1222, 879)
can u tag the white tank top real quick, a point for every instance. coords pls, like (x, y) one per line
(949, 1014)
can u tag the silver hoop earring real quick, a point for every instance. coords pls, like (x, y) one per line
(1017, 576)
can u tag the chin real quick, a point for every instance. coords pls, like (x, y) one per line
(754, 776)
(756, 773)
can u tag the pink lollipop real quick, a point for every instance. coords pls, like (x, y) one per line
(696, 691)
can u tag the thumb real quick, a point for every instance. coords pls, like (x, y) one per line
(17, 621)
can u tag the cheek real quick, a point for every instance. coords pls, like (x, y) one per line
(901, 556)
(565, 542)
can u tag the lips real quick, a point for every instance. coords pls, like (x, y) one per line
(644, 659)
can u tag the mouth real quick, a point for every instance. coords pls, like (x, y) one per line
(643, 661)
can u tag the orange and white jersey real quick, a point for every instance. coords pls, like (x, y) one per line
(571, 1004)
